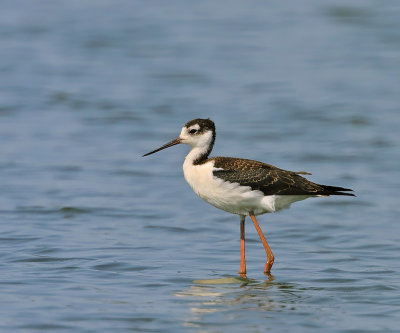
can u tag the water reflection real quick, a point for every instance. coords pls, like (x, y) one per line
(236, 297)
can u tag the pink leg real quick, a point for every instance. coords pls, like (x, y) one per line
(270, 255)
(242, 269)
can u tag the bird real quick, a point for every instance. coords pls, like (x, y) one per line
(241, 186)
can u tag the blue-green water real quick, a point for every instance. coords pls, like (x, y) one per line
(95, 238)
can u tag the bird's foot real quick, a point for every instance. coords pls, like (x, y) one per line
(242, 273)
(268, 266)
(270, 277)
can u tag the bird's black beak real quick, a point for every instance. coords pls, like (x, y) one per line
(169, 144)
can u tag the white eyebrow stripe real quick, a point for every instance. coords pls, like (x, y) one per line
(195, 126)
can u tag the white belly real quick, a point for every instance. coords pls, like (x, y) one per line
(232, 197)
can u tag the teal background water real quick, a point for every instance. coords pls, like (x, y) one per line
(95, 238)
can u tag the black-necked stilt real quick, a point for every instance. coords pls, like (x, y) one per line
(240, 186)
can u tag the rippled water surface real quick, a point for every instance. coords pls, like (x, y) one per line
(95, 238)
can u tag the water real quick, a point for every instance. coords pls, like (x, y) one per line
(95, 238)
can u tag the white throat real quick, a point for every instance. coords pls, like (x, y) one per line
(194, 154)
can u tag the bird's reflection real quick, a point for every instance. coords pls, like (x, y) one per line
(236, 295)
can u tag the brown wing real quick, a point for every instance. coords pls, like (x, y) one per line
(269, 179)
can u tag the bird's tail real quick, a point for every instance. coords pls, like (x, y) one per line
(336, 190)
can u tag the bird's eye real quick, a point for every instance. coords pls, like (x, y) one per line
(192, 131)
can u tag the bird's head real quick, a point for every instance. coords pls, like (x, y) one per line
(199, 133)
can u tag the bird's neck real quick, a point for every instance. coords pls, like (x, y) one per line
(197, 155)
